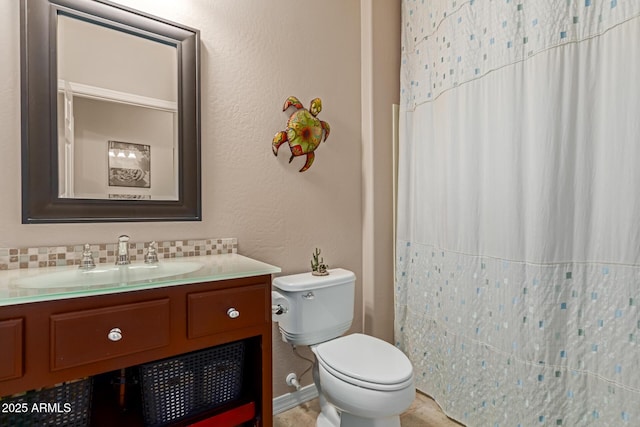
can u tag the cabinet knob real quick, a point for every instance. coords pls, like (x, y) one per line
(233, 313)
(115, 334)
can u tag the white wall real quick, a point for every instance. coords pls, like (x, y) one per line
(254, 54)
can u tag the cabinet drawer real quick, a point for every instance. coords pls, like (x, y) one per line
(210, 312)
(11, 354)
(87, 336)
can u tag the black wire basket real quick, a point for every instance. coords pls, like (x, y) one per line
(183, 386)
(64, 405)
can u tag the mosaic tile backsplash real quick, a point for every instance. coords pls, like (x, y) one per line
(51, 256)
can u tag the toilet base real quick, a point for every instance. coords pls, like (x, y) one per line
(329, 416)
(323, 421)
(350, 420)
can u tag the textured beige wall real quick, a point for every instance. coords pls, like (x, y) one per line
(254, 55)
(380, 47)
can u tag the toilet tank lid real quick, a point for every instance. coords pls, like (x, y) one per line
(307, 281)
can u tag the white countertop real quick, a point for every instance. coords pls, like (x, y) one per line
(214, 268)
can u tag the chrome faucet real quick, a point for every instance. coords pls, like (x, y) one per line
(123, 250)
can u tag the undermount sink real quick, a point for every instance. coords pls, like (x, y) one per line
(111, 275)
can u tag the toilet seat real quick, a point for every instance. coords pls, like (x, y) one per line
(366, 362)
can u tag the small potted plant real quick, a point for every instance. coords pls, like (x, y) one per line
(318, 267)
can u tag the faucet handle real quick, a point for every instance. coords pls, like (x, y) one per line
(87, 262)
(152, 255)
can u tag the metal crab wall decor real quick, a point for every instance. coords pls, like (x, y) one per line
(303, 131)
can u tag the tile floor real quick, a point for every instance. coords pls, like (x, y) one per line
(424, 412)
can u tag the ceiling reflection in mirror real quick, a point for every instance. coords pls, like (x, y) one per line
(117, 113)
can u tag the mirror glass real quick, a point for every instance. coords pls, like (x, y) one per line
(117, 113)
(110, 114)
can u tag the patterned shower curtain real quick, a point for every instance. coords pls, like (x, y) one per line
(518, 251)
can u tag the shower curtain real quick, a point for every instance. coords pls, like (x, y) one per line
(518, 248)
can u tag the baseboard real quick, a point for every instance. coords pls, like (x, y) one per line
(291, 400)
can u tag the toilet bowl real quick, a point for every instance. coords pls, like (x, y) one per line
(362, 381)
(369, 381)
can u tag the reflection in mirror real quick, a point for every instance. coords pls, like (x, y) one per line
(110, 114)
(117, 113)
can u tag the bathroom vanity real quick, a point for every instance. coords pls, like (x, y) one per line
(50, 335)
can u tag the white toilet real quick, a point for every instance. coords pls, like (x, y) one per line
(362, 381)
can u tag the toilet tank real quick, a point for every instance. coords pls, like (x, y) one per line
(316, 308)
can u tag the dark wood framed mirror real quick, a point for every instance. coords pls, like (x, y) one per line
(110, 114)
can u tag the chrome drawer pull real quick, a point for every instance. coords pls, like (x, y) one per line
(115, 334)
(233, 313)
